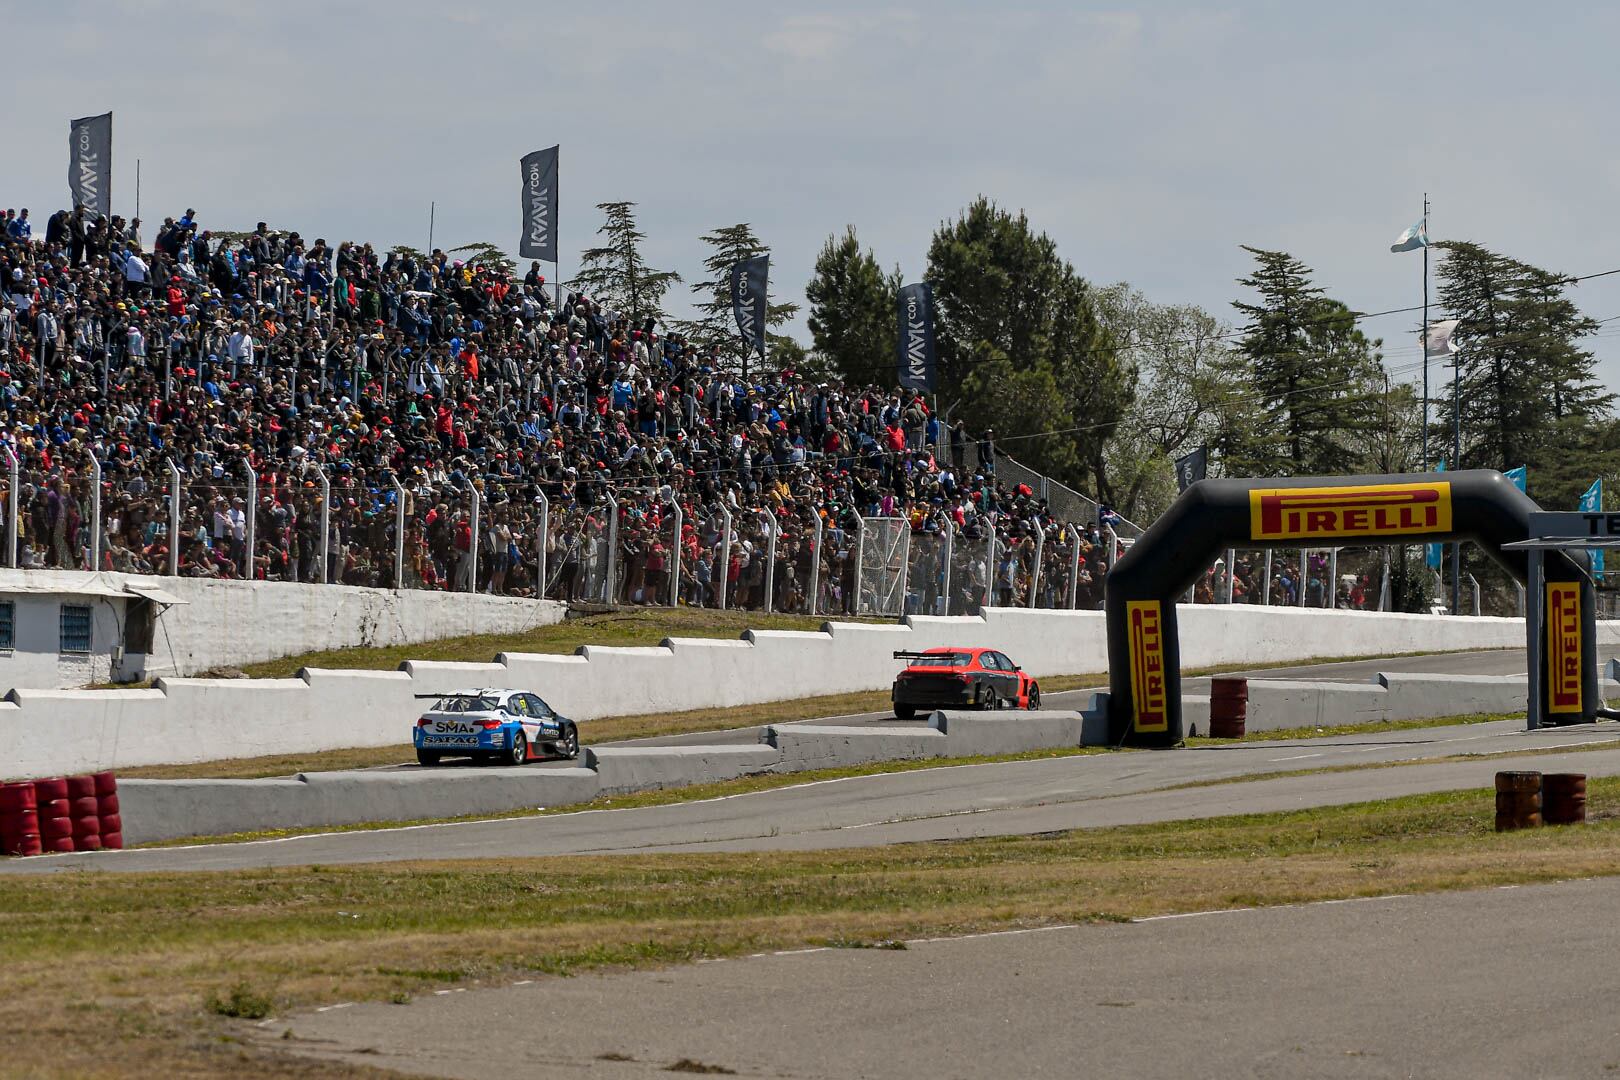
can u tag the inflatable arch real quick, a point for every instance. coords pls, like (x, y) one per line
(1144, 657)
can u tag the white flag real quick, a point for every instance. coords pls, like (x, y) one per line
(1412, 239)
(1437, 341)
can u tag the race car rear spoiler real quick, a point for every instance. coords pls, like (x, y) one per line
(901, 654)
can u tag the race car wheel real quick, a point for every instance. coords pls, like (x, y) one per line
(905, 712)
(518, 752)
(1034, 696)
(568, 748)
(427, 757)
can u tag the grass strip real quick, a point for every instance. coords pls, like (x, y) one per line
(130, 975)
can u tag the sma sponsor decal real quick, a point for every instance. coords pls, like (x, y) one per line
(1563, 647)
(1333, 513)
(1145, 621)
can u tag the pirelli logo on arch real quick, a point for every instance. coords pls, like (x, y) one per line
(1338, 512)
(1145, 625)
(1563, 647)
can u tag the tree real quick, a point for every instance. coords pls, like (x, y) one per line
(853, 321)
(1189, 386)
(483, 253)
(1528, 389)
(615, 274)
(1318, 379)
(1020, 344)
(715, 323)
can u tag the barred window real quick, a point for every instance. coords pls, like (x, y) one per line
(75, 628)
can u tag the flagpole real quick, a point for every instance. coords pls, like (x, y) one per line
(1423, 333)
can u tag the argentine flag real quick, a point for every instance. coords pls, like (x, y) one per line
(1415, 237)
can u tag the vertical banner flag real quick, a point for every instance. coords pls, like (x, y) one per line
(90, 163)
(1592, 503)
(1519, 476)
(1192, 468)
(748, 283)
(539, 239)
(1434, 555)
(917, 357)
(1415, 237)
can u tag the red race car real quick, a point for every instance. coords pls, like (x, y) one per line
(961, 678)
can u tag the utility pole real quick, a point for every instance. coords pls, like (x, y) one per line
(433, 206)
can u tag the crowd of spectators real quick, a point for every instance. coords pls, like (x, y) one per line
(396, 385)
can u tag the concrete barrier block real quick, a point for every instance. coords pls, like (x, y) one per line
(1425, 696)
(444, 676)
(819, 746)
(173, 809)
(621, 770)
(1279, 704)
(970, 734)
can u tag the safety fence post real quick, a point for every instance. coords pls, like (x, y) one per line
(175, 483)
(1231, 572)
(95, 513)
(1333, 579)
(1474, 582)
(769, 521)
(399, 532)
(326, 525)
(13, 517)
(675, 554)
(473, 523)
(1302, 577)
(721, 571)
(1074, 566)
(1035, 571)
(610, 584)
(950, 553)
(1265, 588)
(814, 592)
(542, 538)
(250, 527)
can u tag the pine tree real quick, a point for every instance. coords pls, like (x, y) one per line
(715, 324)
(615, 274)
(1020, 345)
(1318, 378)
(484, 253)
(853, 320)
(1529, 390)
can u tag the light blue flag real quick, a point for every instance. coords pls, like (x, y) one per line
(1592, 503)
(1519, 476)
(1434, 554)
(1415, 237)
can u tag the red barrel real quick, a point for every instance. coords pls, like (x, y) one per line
(112, 841)
(84, 806)
(1563, 798)
(106, 804)
(57, 844)
(86, 826)
(17, 796)
(1228, 707)
(111, 823)
(106, 783)
(55, 826)
(80, 787)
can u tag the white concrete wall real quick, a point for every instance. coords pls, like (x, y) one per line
(231, 623)
(46, 732)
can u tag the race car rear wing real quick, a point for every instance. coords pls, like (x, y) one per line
(902, 654)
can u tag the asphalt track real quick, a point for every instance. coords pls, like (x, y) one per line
(1509, 982)
(949, 803)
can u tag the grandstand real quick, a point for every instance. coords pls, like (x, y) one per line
(263, 406)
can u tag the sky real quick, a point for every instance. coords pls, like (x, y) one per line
(1149, 142)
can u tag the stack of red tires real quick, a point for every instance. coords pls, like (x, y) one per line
(64, 813)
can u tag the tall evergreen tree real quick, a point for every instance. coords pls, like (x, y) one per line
(1020, 344)
(852, 310)
(1528, 388)
(715, 324)
(1319, 380)
(616, 275)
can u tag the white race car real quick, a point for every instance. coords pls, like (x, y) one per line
(513, 726)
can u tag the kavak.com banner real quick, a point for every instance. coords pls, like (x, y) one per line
(748, 283)
(917, 358)
(539, 206)
(90, 163)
